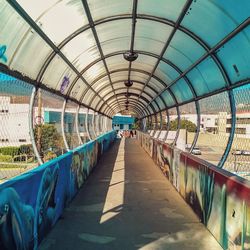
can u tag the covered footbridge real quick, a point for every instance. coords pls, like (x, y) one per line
(180, 69)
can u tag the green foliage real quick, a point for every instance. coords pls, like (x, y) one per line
(9, 151)
(184, 124)
(5, 158)
(50, 138)
(25, 149)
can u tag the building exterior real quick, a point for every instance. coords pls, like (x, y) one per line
(123, 122)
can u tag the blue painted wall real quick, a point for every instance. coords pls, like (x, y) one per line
(31, 203)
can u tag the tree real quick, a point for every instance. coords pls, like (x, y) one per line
(184, 124)
(50, 139)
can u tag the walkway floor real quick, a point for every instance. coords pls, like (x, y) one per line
(128, 204)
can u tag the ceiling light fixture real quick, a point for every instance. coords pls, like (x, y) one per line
(130, 56)
(128, 83)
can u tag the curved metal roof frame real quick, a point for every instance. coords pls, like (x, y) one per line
(176, 25)
(135, 109)
(132, 94)
(133, 105)
(132, 101)
(124, 88)
(125, 69)
(160, 58)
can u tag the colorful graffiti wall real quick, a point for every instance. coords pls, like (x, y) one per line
(31, 203)
(220, 199)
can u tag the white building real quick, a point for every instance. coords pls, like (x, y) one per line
(14, 122)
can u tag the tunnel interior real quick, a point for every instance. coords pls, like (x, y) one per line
(179, 68)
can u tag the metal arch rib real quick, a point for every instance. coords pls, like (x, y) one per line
(91, 22)
(140, 104)
(134, 107)
(124, 88)
(133, 101)
(29, 20)
(144, 99)
(135, 70)
(210, 52)
(132, 94)
(177, 24)
(139, 16)
(139, 82)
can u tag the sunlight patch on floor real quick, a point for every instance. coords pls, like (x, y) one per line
(115, 195)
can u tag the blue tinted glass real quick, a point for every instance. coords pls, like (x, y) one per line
(155, 106)
(166, 72)
(160, 102)
(206, 77)
(182, 91)
(213, 20)
(168, 98)
(186, 47)
(235, 56)
(178, 58)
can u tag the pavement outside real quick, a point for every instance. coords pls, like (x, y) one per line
(127, 203)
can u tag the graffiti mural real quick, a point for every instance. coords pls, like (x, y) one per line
(3, 56)
(219, 198)
(30, 204)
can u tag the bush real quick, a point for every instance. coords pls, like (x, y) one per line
(5, 158)
(9, 151)
(25, 149)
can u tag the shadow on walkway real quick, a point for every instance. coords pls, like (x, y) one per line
(128, 204)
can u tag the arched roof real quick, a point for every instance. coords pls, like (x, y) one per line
(187, 49)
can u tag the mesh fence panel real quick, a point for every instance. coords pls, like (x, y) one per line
(188, 126)
(16, 153)
(70, 124)
(238, 160)
(173, 125)
(47, 111)
(82, 124)
(213, 138)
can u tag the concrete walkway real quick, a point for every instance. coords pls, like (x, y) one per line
(128, 204)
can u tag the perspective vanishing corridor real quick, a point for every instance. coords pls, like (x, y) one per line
(127, 203)
(124, 124)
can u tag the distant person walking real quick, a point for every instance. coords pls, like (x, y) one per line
(131, 133)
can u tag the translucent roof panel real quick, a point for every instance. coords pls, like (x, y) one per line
(26, 50)
(56, 72)
(167, 97)
(155, 84)
(78, 89)
(166, 72)
(137, 76)
(101, 83)
(235, 56)
(94, 72)
(95, 102)
(160, 103)
(206, 77)
(81, 50)
(88, 96)
(120, 76)
(12, 32)
(58, 20)
(99, 9)
(182, 91)
(165, 8)
(116, 62)
(109, 32)
(145, 63)
(151, 36)
(223, 16)
(156, 107)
